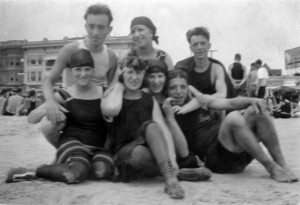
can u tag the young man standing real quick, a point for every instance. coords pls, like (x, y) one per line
(262, 79)
(98, 25)
(206, 74)
(238, 74)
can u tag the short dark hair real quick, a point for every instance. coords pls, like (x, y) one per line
(175, 73)
(31, 93)
(259, 62)
(132, 62)
(197, 31)
(237, 56)
(98, 9)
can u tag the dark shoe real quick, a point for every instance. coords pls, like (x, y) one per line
(194, 174)
(20, 174)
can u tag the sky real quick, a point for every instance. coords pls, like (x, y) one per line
(257, 29)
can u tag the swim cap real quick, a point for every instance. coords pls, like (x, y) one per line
(80, 58)
(156, 66)
(143, 20)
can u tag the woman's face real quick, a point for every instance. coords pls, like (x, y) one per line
(133, 79)
(178, 89)
(83, 75)
(141, 35)
(156, 82)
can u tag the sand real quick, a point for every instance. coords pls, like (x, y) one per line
(22, 144)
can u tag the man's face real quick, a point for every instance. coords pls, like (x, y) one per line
(178, 89)
(200, 46)
(97, 27)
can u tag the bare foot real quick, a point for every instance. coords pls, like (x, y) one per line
(293, 177)
(279, 174)
(174, 190)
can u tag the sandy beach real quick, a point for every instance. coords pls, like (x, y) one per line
(22, 145)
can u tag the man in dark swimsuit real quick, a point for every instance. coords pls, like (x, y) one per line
(206, 74)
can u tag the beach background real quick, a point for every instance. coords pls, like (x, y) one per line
(23, 145)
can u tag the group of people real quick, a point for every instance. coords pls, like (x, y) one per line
(14, 103)
(138, 115)
(252, 84)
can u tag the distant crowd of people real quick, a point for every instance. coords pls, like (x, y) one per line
(16, 102)
(254, 84)
(136, 115)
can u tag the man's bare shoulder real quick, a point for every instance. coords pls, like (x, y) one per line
(217, 67)
(123, 55)
(70, 47)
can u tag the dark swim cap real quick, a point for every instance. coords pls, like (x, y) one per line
(80, 58)
(143, 20)
(157, 66)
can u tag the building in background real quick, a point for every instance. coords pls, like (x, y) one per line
(292, 61)
(28, 63)
(11, 63)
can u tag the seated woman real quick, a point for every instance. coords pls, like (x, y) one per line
(80, 147)
(156, 84)
(136, 139)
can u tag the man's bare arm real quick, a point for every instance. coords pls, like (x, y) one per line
(53, 109)
(220, 85)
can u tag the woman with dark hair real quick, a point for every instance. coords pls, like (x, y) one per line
(156, 80)
(136, 138)
(81, 149)
(143, 33)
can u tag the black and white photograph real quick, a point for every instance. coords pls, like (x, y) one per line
(110, 102)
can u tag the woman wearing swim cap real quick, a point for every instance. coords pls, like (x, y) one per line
(80, 148)
(143, 33)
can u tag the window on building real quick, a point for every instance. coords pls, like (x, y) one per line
(50, 62)
(40, 60)
(11, 77)
(11, 63)
(32, 62)
(39, 76)
(28, 76)
(32, 76)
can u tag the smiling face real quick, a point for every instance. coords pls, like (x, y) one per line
(132, 78)
(83, 75)
(178, 89)
(200, 46)
(156, 82)
(97, 27)
(141, 35)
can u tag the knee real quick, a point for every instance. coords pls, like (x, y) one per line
(154, 130)
(235, 119)
(140, 155)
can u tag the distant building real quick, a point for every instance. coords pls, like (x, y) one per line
(292, 61)
(24, 63)
(11, 63)
(275, 72)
